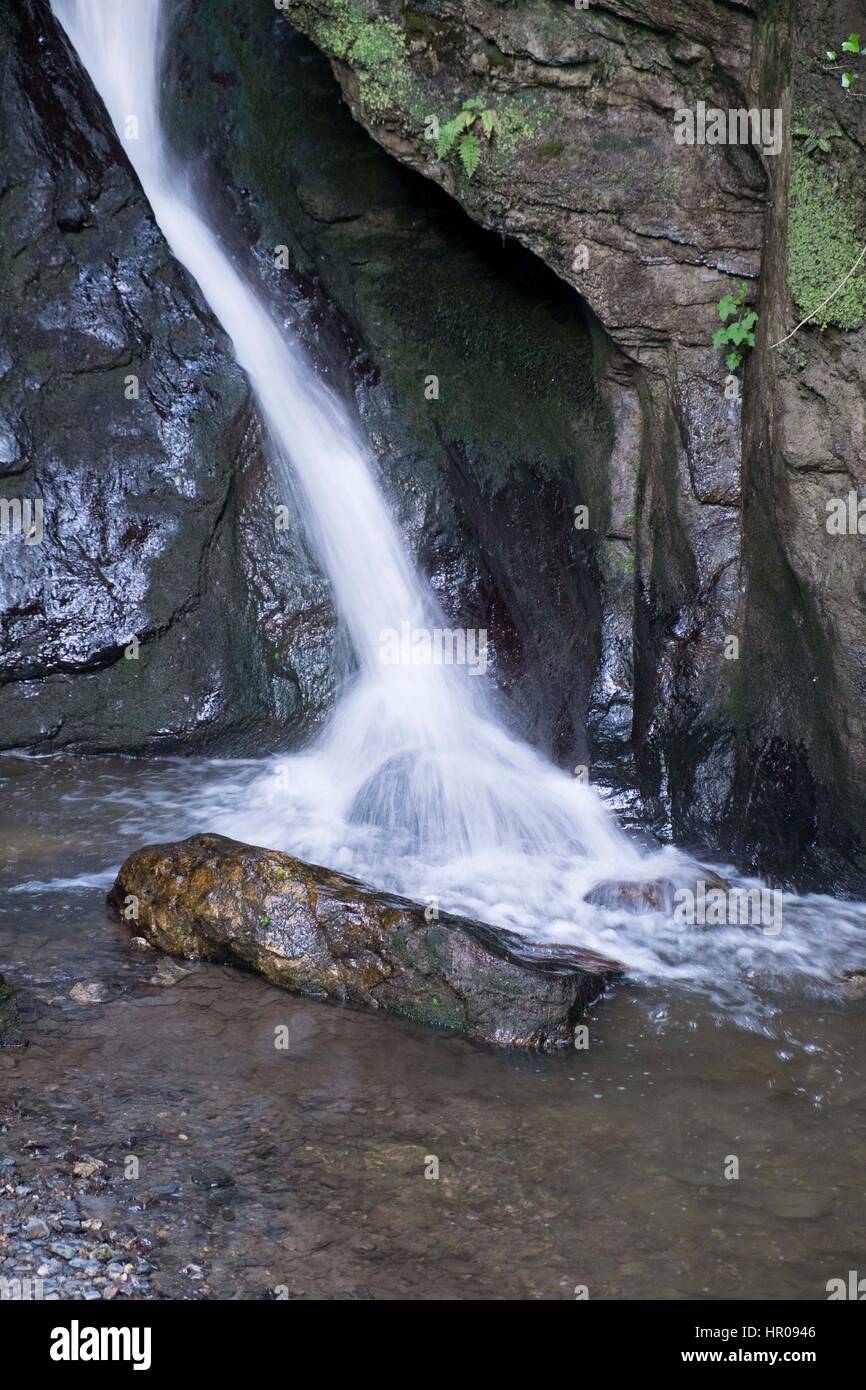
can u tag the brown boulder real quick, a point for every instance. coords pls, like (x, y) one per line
(318, 933)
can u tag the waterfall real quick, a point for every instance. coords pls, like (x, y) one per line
(414, 746)
(414, 784)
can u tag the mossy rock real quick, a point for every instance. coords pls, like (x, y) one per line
(825, 238)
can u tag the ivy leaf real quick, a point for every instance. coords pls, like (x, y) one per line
(733, 360)
(469, 150)
(720, 337)
(851, 44)
(831, 55)
(847, 79)
(749, 320)
(728, 306)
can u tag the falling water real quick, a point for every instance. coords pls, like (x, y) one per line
(415, 784)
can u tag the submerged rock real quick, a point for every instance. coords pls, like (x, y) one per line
(319, 933)
(94, 992)
(653, 896)
(647, 895)
(11, 1032)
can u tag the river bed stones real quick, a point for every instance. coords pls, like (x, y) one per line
(319, 933)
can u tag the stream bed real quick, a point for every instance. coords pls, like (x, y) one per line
(299, 1172)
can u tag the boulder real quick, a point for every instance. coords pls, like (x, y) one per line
(319, 933)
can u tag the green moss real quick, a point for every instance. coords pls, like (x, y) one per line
(606, 64)
(667, 180)
(824, 241)
(374, 47)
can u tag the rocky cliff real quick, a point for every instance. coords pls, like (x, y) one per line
(745, 619)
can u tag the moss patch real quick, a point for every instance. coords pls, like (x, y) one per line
(825, 237)
(373, 46)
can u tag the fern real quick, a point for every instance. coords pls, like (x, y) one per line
(469, 150)
(459, 132)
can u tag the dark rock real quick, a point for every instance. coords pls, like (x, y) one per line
(319, 933)
(154, 508)
(11, 1032)
(211, 1176)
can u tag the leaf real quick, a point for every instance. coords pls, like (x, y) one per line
(824, 145)
(831, 55)
(445, 139)
(851, 44)
(728, 306)
(733, 360)
(470, 153)
(448, 134)
(720, 337)
(749, 320)
(489, 122)
(749, 339)
(847, 79)
(474, 104)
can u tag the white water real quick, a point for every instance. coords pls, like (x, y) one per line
(414, 785)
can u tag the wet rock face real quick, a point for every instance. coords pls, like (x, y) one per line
(127, 430)
(319, 933)
(585, 171)
(718, 532)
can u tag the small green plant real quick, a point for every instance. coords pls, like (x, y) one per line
(464, 131)
(852, 46)
(815, 139)
(739, 329)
